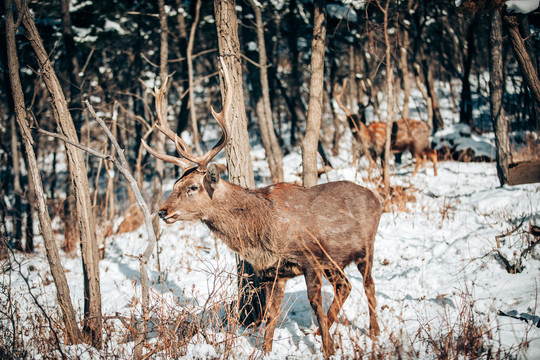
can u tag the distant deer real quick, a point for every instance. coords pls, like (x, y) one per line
(283, 230)
(407, 134)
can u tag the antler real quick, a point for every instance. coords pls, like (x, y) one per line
(181, 146)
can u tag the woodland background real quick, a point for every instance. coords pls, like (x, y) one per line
(112, 54)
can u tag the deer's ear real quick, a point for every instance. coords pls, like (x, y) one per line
(212, 178)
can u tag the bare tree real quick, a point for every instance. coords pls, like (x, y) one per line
(511, 23)
(237, 150)
(389, 89)
(496, 90)
(157, 180)
(264, 110)
(77, 169)
(316, 88)
(73, 334)
(189, 55)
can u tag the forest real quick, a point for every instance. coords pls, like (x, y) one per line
(433, 106)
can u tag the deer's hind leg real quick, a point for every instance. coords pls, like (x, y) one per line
(364, 266)
(314, 285)
(342, 289)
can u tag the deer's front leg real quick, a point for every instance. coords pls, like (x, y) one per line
(274, 291)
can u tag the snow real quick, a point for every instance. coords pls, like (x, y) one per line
(521, 6)
(434, 263)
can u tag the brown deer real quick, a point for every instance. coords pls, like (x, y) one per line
(283, 230)
(407, 134)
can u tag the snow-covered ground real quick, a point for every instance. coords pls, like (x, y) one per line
(438, 274)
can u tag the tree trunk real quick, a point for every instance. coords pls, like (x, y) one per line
(266, 125)
(316, 87)
(17, 213)
(496, 90)
(297, 112)
(237, 151)
(438, 122)
(75, 103)
(77, 170)
(192, 107)
(405, 75)
(511, 24)
(465, 108)
(73, 333)
(157, 180)
(390, 106)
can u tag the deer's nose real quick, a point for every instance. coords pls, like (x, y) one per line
(162, 214)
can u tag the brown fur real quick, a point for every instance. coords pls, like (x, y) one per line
(284, 231)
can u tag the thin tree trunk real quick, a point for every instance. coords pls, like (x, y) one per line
(511, 25)
(237, 151)
(390, 106)
(192, 107)
(73, 66)
(77, 168)
(316, 88)
(496, 89)
(465, 111)
(17, 189)
(269, 138)
(404, 65)
(72, 331)
(296, 106)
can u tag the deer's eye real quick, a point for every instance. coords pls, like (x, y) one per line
(193, 188)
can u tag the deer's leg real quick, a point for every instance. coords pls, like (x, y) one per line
(342, 289)
(419, 160)
(364, 266)
(274, 298)
(433, 156)
(314, 284)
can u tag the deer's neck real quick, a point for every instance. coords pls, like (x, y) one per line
(241, 219)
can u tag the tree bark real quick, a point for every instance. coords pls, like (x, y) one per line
(237, 151)
(405, 74)
(264, 113)
(496, 90)
(72, 331)
(465, 109)
(390, 106)
(296, 106)
(511, 24)
(189, 54)
(316, 87)
(17, 213)
(77, 169)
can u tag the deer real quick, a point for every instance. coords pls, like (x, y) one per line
(284, 230)
(407, 134)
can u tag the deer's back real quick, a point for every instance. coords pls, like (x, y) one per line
(338, 218)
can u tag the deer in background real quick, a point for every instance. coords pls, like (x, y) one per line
(407, 134)
(283, 230)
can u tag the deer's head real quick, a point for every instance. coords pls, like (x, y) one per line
(193, 192)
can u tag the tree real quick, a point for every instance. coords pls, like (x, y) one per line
(237, 150)
(316, 88)
(189, 55)
(263, 107)
(63, 296)
(77, 169)
(496, 91)
(511, 23)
